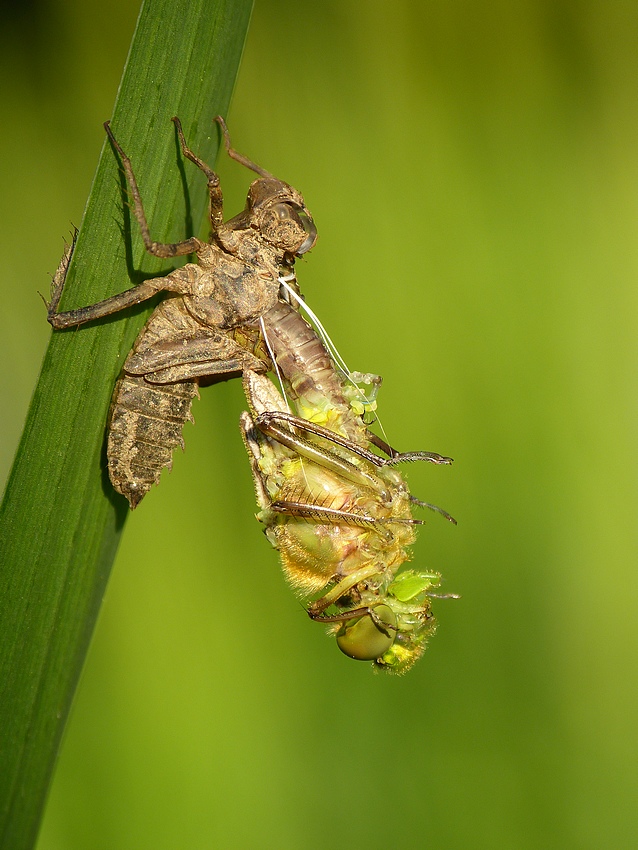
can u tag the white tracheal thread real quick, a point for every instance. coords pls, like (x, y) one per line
(323, 334)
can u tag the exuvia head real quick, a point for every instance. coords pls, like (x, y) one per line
(274, 208)
(278, 212)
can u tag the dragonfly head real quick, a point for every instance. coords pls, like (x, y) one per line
(395, 623)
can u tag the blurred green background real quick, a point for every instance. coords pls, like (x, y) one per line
(473, 171)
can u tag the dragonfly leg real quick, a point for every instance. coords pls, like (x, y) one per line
(283, 428)
(340, 589)
(215, 197)
(239, 157)
(395, 456)
(158, 249)
(337, 517)
(178, 280)
(256, 445)
(145, 290)
(269, 417)
(432, 507)
(72, 318)
(353, 614)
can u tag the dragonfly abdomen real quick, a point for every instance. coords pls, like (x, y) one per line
(145, 426)
(301, 355)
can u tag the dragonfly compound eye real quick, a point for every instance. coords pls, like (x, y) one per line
(311, 229)
(365, 640)
(288, 228)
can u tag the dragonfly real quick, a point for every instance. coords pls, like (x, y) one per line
(341, 518)
(339, 513)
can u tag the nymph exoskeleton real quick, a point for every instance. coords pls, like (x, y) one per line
(234, 282)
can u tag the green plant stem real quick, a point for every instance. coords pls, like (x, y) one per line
(60, 520)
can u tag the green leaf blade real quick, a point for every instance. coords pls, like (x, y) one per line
(60, 520)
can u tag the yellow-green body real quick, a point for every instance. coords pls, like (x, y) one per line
(344, 533)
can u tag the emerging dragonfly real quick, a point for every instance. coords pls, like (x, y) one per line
(339, 514)
(341, 519)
